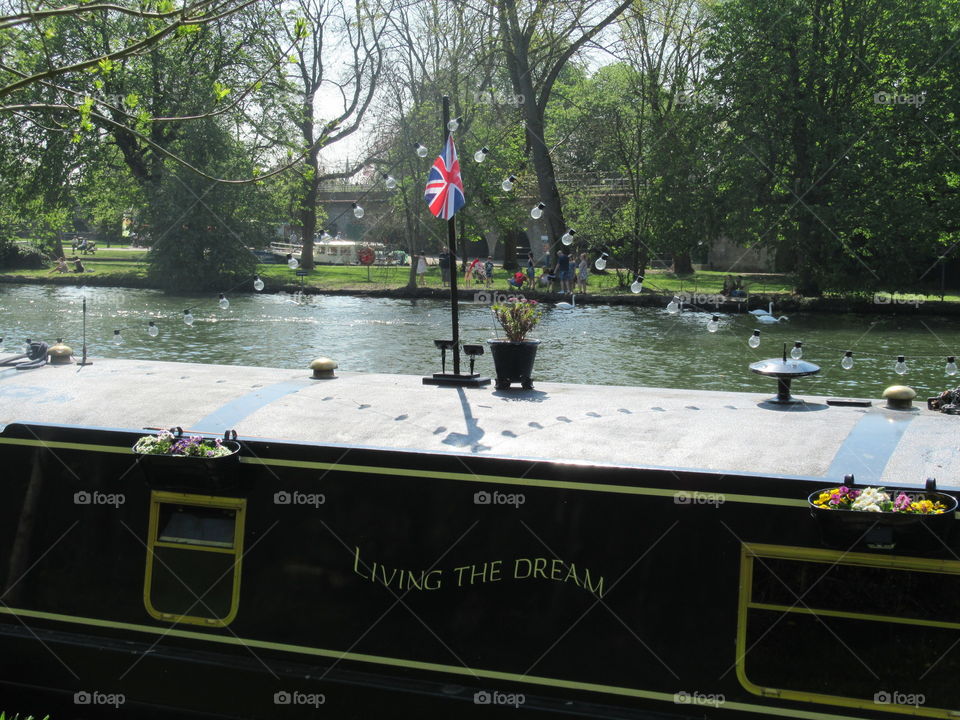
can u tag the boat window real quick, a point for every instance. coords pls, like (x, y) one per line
(194, 549)
(809, 617)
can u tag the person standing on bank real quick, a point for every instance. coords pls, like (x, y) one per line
(488, 271)
(421, 270)
(444, 261)
(583, 273)
(562, 271)
(531, 269)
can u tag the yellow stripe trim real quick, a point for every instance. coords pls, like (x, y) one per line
(418, 665)
(441, 475)
(750, 551)
(118, 450)
(855, 616)
(532, 482)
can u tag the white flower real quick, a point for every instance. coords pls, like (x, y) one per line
(870, 500)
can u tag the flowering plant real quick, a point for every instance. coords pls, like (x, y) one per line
(166, 443)
(518, 318)
(875, 500)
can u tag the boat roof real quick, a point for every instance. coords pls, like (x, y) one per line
(719, 432)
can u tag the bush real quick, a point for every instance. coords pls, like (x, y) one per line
(14, 256)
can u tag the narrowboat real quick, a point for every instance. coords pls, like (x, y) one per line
(374, 545)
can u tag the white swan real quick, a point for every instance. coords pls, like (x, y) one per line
(567, 305)
(760, 312)
(770, 319)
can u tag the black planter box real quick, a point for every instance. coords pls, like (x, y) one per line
(887, 531)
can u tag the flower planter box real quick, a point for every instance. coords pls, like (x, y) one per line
(898, 532)
(513, 362)
(193, 474)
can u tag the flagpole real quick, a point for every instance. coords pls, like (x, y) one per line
(452, 248)
(471, 379)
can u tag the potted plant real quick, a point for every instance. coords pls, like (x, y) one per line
(883, 518)
(170, 461)
(513, 357)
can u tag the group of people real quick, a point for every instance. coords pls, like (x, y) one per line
(571, 271)
(62, 266)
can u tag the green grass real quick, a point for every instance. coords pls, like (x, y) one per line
(116, 266)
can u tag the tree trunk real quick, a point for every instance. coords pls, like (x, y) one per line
(682, 264)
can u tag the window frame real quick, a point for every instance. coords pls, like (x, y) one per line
(239, 507)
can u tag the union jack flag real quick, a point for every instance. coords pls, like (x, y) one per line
(444, 194)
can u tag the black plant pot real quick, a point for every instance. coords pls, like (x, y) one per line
(513, 362)
(178, 473)
(889, 531)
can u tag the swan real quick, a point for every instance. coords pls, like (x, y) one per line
(770, 319)
(567, 305)
(760, 312)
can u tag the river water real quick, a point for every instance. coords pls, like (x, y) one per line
(595, 345)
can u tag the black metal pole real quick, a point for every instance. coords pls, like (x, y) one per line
(453, 267)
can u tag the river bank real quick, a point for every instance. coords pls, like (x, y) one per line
(880, 303)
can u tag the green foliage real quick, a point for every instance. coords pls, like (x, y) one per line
(518, 318)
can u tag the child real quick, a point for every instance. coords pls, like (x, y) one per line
(583, 273)
(488, 271)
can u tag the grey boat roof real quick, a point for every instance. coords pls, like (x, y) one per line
(722, 432)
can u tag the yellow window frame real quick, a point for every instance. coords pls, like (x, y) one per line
(751, 551)
(239, 506)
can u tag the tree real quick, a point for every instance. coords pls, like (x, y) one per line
(817, 160)
(316, 103)
(538, 39)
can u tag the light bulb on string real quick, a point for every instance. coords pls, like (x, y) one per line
(797, 352)
(117, 338)
(152, 329)
(567, 237)
(421, 150)
(357, 211)
(390, 182)
(673, 307)
(223, 302)
(637, 285)
(847, 362)
(601, 262)
(754, 340)
(507, 184)
(292, 262)
(257, 283)
(901, 367)
(453, 124)
(481, 154)
(536, 212)
(951, 368)
(188, 317)
(714, 324)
